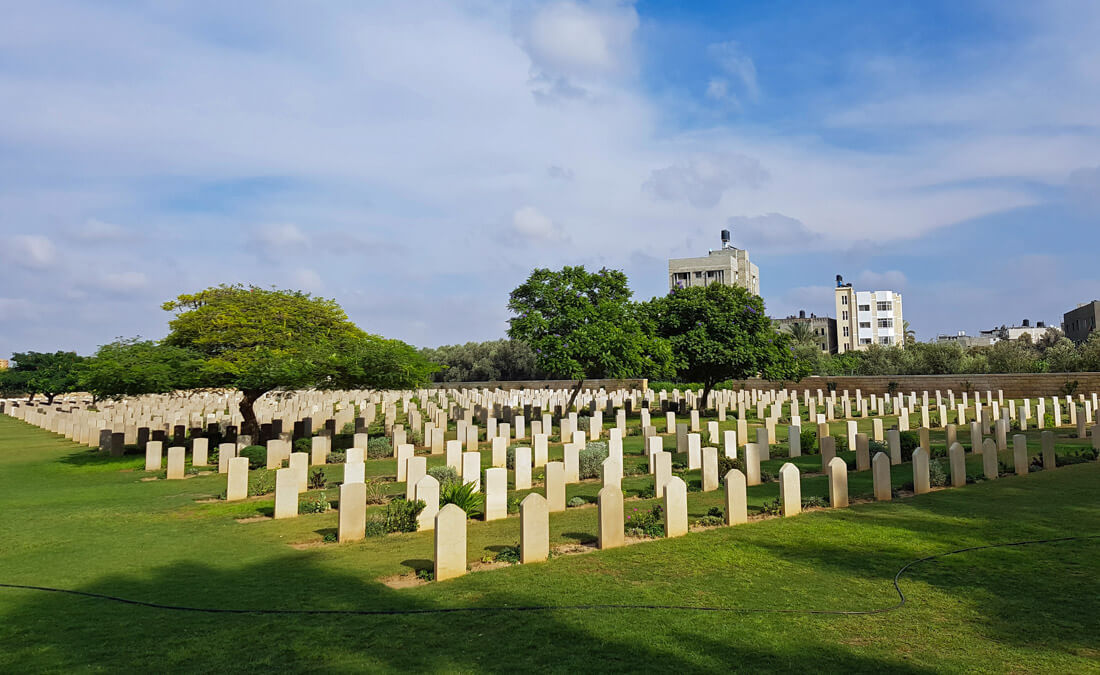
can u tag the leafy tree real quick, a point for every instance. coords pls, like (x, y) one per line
(41, 373)
(1089, 352)
(1013, 356)
(1062, 356)
(718, 333)
(485, 361)
(130, 367)
(583, 325)
(802, 333)
(257, 340)
(908, 334)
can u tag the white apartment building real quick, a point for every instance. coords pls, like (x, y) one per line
(865, 318)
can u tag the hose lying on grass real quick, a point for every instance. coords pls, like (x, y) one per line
(548, 608)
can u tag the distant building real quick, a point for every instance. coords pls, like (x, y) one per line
(4, 365)
(822, 328)
(1078, 323)
(728, 266)
(865, 318)
(961, 338)
(1017, 332)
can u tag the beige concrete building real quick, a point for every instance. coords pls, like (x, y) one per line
(728, 266)
(865, 318)
(822, 328)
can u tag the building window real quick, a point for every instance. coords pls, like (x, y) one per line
(844, 315)
(885, 323)
(845, 331)
(844, 300)
(865, 341)
(865, 308)
(864, 324)
(698, 275)
(885, 340)
(885, 306)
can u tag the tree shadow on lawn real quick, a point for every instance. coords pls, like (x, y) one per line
(47, 631)
(95, 458)
(1035, 595)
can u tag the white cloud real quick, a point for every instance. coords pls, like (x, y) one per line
(702, 180)
(97, 230)
(30, 251)
(307, 280)
(530, 223)
(123, 282)
(737, 64)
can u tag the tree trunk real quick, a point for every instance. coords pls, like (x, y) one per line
(250, 426)
(707, 387)
(573, 396)
(49, 398)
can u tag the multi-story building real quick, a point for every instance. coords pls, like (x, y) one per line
(1016, 332)
(4, 365)
(728, 265)
(865, 318)
(822, 328)
(1078, 323)
(961, 338)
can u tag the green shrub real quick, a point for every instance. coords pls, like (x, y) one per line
(577, 501)
(376, 492)
(639, 469)
(910, 441)
(315, 504)
(379, 448)
(400, 515)
(937, 474)
(650, 524)
(261, 482)
(256, 454)
(814, 502)
(445, 474)
(591, 459)
(874, 447)
(376, 526)
(841, 443)
(303, 445)
(336, 458)
(461, 495)
(727, 464)
(508, 554)
(348, 428)
(710, 521)
(317, 479)
(808, 442)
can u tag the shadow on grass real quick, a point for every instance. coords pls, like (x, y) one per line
(55, 632)
(95, 458)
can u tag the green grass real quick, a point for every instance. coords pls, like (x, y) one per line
(73, 519)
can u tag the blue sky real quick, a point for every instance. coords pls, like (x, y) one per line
(415, 161)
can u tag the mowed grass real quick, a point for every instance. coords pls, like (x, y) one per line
(72, 519)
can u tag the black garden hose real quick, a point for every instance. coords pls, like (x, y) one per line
(545, 608)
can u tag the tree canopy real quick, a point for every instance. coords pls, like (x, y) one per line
(485, 361)
(43, 373)
(131, 367)
(719, 333)
(584, 325)
(257, 340)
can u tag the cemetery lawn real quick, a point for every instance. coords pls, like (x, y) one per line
(73, 519)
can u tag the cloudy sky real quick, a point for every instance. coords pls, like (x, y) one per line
(415, 160)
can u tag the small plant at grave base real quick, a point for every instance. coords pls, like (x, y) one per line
(766, 477)
(317, 479)
(772, 508)
(1036, 465)
(577, 501)
(510, 457)
(727, 464)
(315, 504)
(814, 502)
(1003, 469)
(513, 504)
(330, 538)
(376, 527)
(937, 474)
(841, 443)
(646, 523)
(303, 445)
(710, 521)
(425, 574)
(647, 492)
(1014, 425)
(909, 441)
(807, 442)
(590, 460)
(583, 422)
(375, 491)
(1076, 457)
(715, 512)
(261, 482)
(1048, 420)
(256, 454)
(461, 495)
(348, 428)
(509, 554)
(336, 457)
(874, 447)
(400, 515)
(379, 448)
(445, 474)
(636, 469)
(934, 419)
(679, 467)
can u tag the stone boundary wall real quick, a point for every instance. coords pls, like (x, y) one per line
(1014, 385)
(609, 385)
